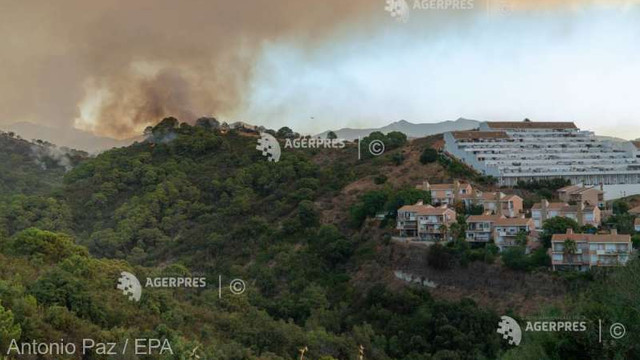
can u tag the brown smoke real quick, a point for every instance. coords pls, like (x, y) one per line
(117, 66)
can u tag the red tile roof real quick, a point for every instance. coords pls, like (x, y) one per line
(514, 222)
(570, 188)
(477, 135)
(426, 209)
(552, 206)
(530, 125)
(592, 238)
(484, 218)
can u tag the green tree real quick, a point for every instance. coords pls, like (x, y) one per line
(620, 207)
(285, 133)
(49, 246)
(331, 135)
(557, 225)
(9, 330)
(429, 155)
(307, 214)
(521, 238)
(514, 257)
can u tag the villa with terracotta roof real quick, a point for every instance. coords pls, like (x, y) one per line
(496, 202)
(480, 227)
(582, 194)
(527, 150)
(500, 204)
(583, 214)
(446, 194)
(585, 251)
(507, 230)
(425, 222)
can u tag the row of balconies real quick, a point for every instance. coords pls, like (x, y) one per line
(562, 172)
(510, 154)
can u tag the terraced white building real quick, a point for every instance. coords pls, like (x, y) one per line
(514, 151)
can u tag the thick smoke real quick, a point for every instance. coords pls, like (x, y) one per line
(115, 66)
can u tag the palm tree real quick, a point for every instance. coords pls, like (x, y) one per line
(444, 231)
(570, 248)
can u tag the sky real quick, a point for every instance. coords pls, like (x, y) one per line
(112, 67)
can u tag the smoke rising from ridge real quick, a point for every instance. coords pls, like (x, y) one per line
(113, 67)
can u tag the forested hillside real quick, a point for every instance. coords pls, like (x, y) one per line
(192, 201)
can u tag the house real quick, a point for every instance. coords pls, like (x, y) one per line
(576, 194)
(584, 251)
(446, 194)
(480, 227)
(425, 222)
(507, 230)
(583, 214)
(636, 225)
(461, 192)
(500, 204)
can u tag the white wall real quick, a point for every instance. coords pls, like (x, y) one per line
(612, 192)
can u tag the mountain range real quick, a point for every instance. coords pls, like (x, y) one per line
(410, 129)
(68, 137)
(83, 140)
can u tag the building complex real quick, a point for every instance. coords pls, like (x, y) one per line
(527, 150)
(461, 192)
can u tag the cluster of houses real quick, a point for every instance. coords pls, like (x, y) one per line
(503, 221)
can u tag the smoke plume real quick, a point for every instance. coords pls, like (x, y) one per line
(113, 67)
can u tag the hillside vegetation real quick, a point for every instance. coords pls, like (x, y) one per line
(191, 201)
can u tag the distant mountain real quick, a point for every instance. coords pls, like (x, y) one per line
(69, 137)
(611, 138)
(410, 129)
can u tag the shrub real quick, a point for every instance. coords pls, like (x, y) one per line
(515, 258)
(440, 257)
(429, 155)
(380, 179)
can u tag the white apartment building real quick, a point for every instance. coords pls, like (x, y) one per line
(515, 151)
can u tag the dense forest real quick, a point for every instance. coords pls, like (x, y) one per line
(197, 201)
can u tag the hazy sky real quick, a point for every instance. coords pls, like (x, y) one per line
(113, 67)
